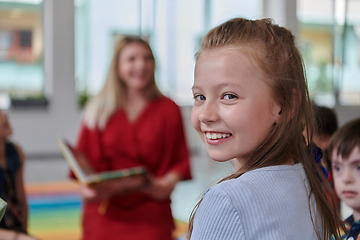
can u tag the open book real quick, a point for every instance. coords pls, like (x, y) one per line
(87, 175)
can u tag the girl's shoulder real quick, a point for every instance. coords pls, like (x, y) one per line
(15, 156)
(15, 150)
(278, 193)
(274, 172)
(253, 176)
(11, 148)
(20, 152)
(259, 182)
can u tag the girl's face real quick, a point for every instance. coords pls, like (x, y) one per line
(233, 110)
(136, 66)
(5, 129)
(346, 174)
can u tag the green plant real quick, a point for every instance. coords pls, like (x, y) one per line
(83, 97)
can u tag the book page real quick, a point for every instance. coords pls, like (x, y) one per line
(67, 151)
(97, 177)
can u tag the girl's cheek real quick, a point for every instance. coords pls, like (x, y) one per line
(195, 117)
(357, 171)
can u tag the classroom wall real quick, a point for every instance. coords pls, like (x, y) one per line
(36, 129)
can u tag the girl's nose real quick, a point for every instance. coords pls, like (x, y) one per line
(208, 114)
(348, 176)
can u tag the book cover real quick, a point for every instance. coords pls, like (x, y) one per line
(86, 174)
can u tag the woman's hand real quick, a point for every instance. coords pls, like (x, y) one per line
(98, 191)
(90, 194)
(162, 187)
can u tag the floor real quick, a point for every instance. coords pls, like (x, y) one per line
(54, 203)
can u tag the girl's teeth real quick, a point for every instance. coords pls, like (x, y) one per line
(216, 135)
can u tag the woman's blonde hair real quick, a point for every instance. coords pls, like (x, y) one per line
(272, 48)
(113, 94)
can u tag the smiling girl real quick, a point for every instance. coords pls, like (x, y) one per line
(252, 105)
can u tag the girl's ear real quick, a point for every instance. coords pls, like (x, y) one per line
(278, 111)
(278, 107)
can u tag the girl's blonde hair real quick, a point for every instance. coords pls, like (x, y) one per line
(111, 97)
(272, 49)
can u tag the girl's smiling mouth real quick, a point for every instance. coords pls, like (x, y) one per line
(216, 136)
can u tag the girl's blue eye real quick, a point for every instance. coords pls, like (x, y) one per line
(229, 96)
(199, 97)
(358, 168)
(336, 168)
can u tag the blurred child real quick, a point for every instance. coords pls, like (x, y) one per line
(11, 180)
(252, 105)
(326, 124)
(344, 150)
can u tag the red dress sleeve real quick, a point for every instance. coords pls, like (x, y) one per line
(176, 154)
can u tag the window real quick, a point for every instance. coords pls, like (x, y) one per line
(330, 44)
(21, 50)
(96, 24)
(348, 44)
(174, 28)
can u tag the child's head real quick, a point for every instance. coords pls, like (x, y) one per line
(344, 150)
(252, 103)
(5, 128)
(326, 124)
(252, 70)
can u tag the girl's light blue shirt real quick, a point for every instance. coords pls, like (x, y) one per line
(266, 203)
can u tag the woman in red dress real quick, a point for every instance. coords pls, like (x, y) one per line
(128, 124)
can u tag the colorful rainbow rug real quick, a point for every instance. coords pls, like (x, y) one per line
(55, 210)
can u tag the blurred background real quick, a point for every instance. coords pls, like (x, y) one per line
(54, 55)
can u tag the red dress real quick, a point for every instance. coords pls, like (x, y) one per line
(157, 141)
